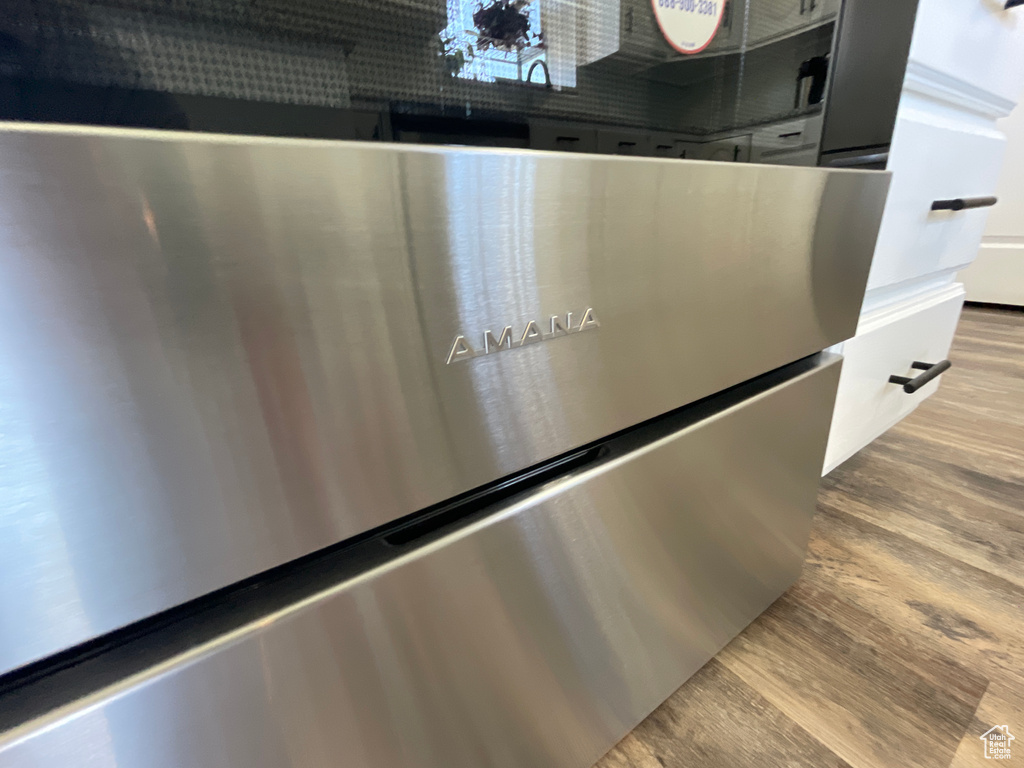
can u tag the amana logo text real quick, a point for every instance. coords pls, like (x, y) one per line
(463, 349)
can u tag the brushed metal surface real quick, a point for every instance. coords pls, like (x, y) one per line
(218, 353)
(536, 636)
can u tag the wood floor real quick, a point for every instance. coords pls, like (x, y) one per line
(903, 641)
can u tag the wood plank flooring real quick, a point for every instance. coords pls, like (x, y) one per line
(903, 641)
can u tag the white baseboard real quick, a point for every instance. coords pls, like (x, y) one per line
(997, 275)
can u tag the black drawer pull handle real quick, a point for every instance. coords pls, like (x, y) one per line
(1013, 4)
(931, 370)
(960, 203)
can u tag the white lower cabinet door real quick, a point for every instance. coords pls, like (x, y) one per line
(888, 342)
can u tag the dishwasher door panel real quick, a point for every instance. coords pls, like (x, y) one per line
(535, 635)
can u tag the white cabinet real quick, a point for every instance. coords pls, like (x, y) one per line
(974, 47)
(772, 20)
(965, 71)
(731, 149)
(791, 142)
(641, 43)
(934, 158)
(827, 10)
(729, 37)
(997, 275)
(1007, 217)
(888, 341)
(746, 24)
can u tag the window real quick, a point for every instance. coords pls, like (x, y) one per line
(495, 40)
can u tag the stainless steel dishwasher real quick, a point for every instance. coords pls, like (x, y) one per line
(384, 384)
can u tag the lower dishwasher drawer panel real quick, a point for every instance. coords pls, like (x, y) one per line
(536, 633)
(888, 340)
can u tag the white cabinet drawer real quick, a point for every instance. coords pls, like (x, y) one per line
(932, 159)
(887, 342)
(975, 42)
(793, 142)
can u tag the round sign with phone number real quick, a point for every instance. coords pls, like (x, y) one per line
(688, 25)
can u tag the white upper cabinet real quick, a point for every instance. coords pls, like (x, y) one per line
(746, 24)
(827, 9)
(770, 19)
(775, 19)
